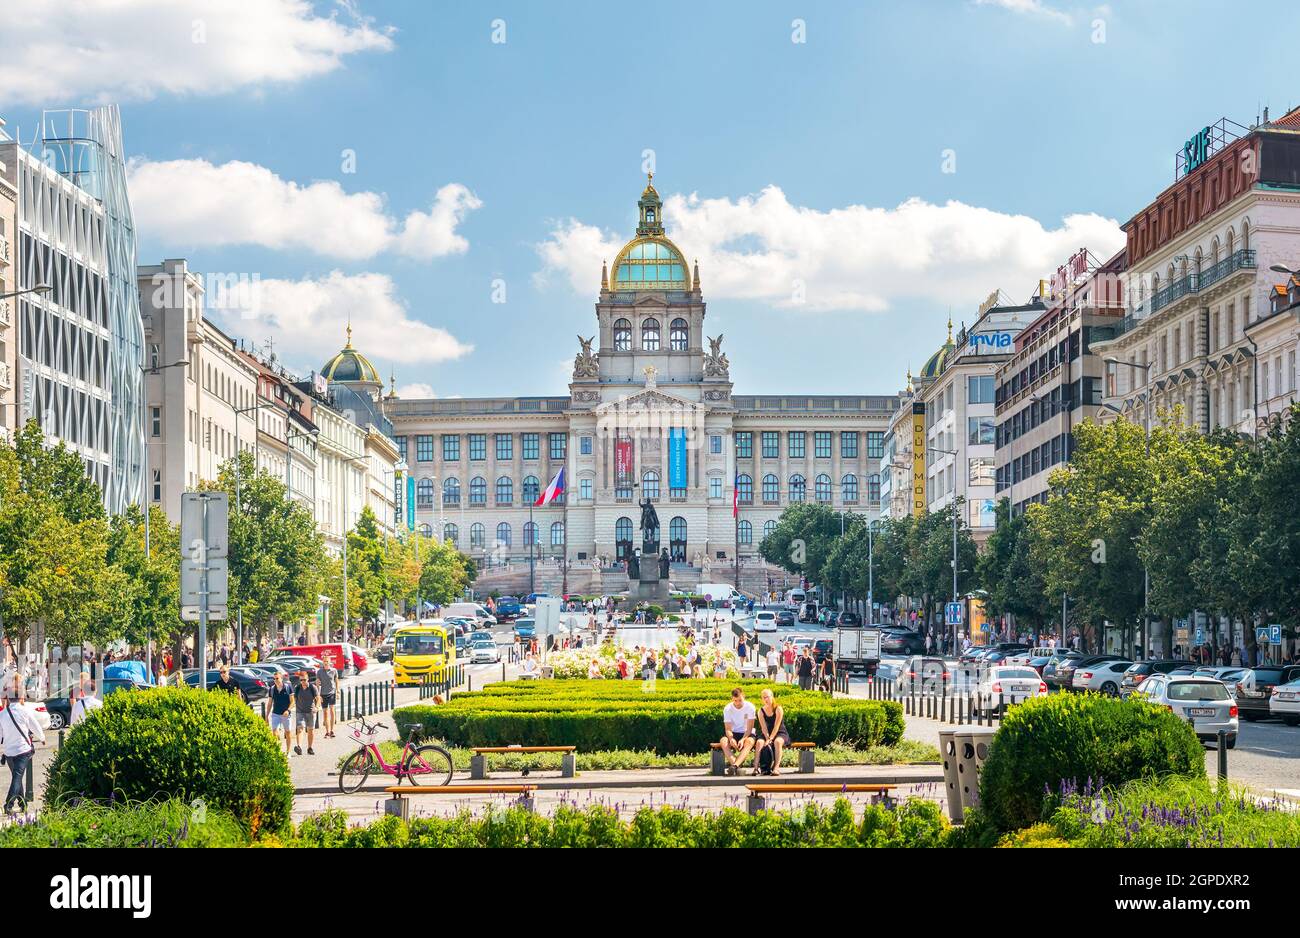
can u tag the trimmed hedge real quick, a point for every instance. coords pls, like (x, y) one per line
(1050, 747)
(682, 716)
(176, 742)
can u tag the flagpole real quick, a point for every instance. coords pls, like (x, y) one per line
(532, 586)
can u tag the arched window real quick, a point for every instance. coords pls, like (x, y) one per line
(873, 487)
(505, 490)
(477, 534)
(771, 489)
(798, 487)
(677, 529)
(1197, 261)
(622, 335)
(478, 491)
(823, 488)
(530, 534)
(679, 335)
(1214, 250)
(744, 490)
(623, 538)
(849, 488)
(1245, 235)
(451, 533)
(557, 534)
(745, 531)
(650, 484)
(768, 527)
(650, 335)
(503, 534)
(1229, 243)
(426, 530)
(532, 489)
(424, 493)
(451, 491)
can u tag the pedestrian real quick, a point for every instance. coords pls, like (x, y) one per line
(742, 652)
(773, 662)
(82, 704)
(18, 732)
(306, 700)
(648, 665)
(279, 717)
(828, 672)
(226, 682)
(624, 671)
(593, 670)
(328, 675)
(787, 661)
(806, 669)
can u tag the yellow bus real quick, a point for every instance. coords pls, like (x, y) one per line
(419, 650)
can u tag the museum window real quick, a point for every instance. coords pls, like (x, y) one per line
(679, 336)
(478, 446)
(557, 534)
(771, 489)
(715, 444)
(505, 490)
(622, 336)
(451, 533)
(532, 489)
(584, 489)
(401, 448)
(873, 488)
(531, 444)
(506, 446)
(424, 447)
(424, 493)
(476, 535)
(559, 446)
(769, 528)
(451, 491)
(584, 445)
(849, 444)
(503, 534)
(478, 491)
(650, 335)
(798, 488)
(744, 490)
(771, 444)
(530, 534)
(715, 487)
(875, 444)
(795, 442)
(849, 488)
(822, 444)
(451, 447)
(650, 484)
(745, 532)
(744, 445)
(823, 488)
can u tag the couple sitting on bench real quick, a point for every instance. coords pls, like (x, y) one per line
(762, 729)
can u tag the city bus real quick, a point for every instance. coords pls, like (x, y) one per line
(419, 650)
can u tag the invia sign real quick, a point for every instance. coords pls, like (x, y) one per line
(1196, 151)
(984, 342)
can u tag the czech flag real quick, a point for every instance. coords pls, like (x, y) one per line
(552, 491)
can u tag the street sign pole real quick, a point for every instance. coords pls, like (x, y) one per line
(203, 604)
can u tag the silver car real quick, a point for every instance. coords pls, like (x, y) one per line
(1201, 701)
(484, 652)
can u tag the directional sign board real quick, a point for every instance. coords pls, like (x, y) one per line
(204, 529)
(953, 613)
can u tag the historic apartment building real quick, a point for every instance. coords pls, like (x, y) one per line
(8, 284)
(651, 412)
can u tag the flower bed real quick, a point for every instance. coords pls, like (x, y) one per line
(572, 663)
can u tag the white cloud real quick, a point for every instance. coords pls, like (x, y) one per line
(73, 51)
(1031, 7)
(194, 202)
(416, 391)
(857, 257)
(308, 320)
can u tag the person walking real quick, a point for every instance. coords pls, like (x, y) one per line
(227, 683)
(280, 719)
(306, 700)
(773, 662)
(328, 675)
(82, 703)
(806, 669)
(742, 652)
(787, 661)
(18, 733)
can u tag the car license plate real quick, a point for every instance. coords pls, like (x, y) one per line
(1286, 696)
(1201, 711)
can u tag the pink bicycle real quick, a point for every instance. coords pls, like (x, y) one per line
(421, 764)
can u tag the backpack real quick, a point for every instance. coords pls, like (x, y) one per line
(766, 756)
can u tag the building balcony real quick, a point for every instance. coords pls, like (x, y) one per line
(6, 314)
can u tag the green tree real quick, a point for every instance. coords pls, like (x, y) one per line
(153, 585)
(1012, 582)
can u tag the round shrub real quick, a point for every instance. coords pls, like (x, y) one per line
(1057, 745)
(176, 742)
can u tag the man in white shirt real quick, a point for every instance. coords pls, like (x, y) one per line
(738, 721)
(83, 701)
(18, 729)
(530, 668)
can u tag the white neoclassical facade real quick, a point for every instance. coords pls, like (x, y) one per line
(651, 413)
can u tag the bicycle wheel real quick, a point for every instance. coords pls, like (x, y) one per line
(429, 765)
(356, 770)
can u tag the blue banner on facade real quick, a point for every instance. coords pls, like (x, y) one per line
(677, 457)
(410, 503)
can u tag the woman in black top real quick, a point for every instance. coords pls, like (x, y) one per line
(769, 730)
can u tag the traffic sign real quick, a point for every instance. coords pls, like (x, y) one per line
(1200, 635)
(1275, 635)
(953, 614)
(192, 592)
(205, 571)
(218, 521)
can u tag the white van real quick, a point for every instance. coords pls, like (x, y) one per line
(475, 611)
(718, 591)
(795, 598)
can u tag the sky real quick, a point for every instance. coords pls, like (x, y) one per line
(448, 176)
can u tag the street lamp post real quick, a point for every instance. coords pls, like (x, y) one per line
(351, 463)
(145, 502)
(1146, 408)
(953, 454)
(41, 288)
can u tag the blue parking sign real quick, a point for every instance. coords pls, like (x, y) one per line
(1275, 635)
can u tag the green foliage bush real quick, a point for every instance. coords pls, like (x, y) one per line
(176, 742)
(168, 823)
(682, 716)
(1051, 746)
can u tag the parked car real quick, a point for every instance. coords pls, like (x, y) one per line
(1284, 702)
(532, 598)
(785, 619)
(1102, 677)
(1227, 675)
(1040, 651)
(899, 641)
(296, 663)
(337, 652)
(1255, 688)
(1002, 686)
(481, 635)
(1066, 667)
(765, 621)
(484, 651)
(251, 687)
(1201, 701)
(970, 654)
(922, 675)
(1051, 672)
(1139, 671)
(508, 608)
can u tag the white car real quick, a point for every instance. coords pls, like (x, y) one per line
(1284, 702)
(484, 652)
(1201, 701)
(37, 709)
(1102, 677)
(764, 621)
(1001, 686)
(1022, 659)
(1229, 676)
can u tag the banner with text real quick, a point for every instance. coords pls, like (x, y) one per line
(676, 457)
(623, 463)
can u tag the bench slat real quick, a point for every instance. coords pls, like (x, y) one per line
(524, 749)
(777, 789)
(459, 789)
(791, 746)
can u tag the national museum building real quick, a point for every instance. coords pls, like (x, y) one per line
(650, 413)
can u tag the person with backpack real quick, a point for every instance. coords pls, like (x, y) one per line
(18, 732)
(306, 700)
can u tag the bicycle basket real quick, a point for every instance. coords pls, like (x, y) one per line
(363, 735)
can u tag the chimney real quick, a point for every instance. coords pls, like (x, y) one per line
(1266, 113)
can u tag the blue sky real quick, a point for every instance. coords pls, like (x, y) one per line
(807, 177)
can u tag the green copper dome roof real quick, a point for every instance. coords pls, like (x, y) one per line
(934, 367)
(350, 366)
(650, 261)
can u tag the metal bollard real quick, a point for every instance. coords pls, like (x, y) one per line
(1223, 754)
(61, 732)
(31, 779)
(943, 707)
(1001, 707)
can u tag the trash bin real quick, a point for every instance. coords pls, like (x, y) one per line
(972, 745)
(948, 753)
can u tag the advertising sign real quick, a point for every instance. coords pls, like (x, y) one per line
(623, 462)
(410, 503)
(677, 457)
(987, 343)
(918, 459)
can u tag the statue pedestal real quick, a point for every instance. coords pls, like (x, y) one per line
(649, 586)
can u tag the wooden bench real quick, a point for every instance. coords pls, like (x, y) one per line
(758, 802)
(400, 806)
(807, 758)
(478, 762)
